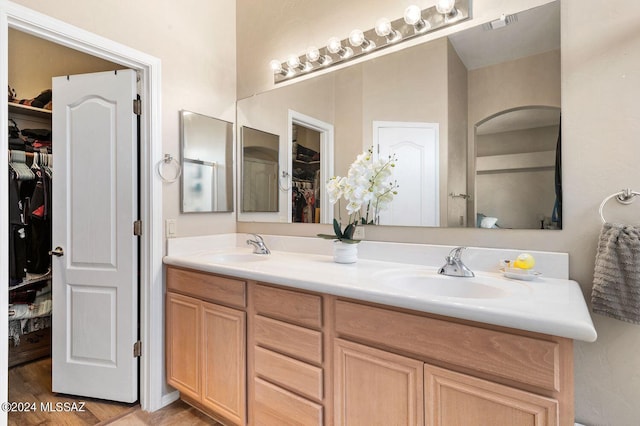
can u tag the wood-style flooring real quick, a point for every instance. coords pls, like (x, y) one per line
(32, 383)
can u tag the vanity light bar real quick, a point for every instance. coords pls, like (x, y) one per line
(361, 43)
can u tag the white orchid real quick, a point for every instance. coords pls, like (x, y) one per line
(368, 184)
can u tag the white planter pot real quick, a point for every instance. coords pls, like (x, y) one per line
(345, 252)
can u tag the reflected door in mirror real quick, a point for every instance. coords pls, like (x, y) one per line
(415, 145)
(260, 152)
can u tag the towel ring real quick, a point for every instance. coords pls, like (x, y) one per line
(625, 196)
(169, 159)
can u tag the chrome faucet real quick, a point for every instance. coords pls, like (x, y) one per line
(454, 266)
(258, 244)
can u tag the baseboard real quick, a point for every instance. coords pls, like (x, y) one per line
(169, 398)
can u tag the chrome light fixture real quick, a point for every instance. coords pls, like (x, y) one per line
(415, 22)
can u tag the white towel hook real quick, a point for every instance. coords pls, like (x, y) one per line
(625, 196)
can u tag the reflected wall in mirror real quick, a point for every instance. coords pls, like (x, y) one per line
(207, 163)
(260, 156)
(516, 169)
(453, 83)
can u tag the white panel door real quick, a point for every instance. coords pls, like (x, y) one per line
(95, 281)
(417, 171)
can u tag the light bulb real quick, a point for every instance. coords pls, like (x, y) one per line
(412, 15)
(384, 29)
(334, 45)
(276, 66)
(357, 38)
(293, 61)
(313, 54)
(445, 7)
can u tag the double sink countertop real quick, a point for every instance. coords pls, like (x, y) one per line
(405, 276)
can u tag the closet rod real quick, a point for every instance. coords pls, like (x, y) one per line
(28, 154)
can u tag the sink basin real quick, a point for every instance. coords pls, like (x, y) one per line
(235, 257)
(423, 282)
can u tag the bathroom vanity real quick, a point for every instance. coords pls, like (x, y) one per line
(251, 340)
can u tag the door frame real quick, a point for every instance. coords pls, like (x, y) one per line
(151, 380)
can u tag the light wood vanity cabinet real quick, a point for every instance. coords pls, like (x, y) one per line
(314, 359)
(485, 375)
(206, 342)
(286, 357)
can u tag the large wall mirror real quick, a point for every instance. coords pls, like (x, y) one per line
(207, 164)
(455, 85)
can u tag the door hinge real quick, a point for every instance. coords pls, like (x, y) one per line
(137, 228)
(137, 349)
(137, 106)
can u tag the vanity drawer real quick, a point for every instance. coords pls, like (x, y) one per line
(207, 287)
(524, 359)
(275, 406)
(289, 373)
(291, 306)
(289, 339)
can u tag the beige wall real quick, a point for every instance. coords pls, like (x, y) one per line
(601, 124)
(195, 40)
(34, 61)
(456, 208)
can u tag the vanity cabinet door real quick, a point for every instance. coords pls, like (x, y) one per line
(458, 399)
(374, 387)
(183, 344)
(223, 361)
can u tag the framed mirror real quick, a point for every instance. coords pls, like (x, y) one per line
(207, 164)
(260, 158)
(451, 84)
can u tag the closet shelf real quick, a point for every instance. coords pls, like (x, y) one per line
(306, 162)
(32, 280)
(29, 110)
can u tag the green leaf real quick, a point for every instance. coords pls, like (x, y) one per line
(336, 228)
(349, 231)
(349, 241)
(328, 236)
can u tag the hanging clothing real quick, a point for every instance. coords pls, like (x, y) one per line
(17, 234)
(38, 258)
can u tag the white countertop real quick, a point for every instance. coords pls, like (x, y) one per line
(546, 305)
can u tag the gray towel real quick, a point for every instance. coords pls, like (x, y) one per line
(616, 279)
